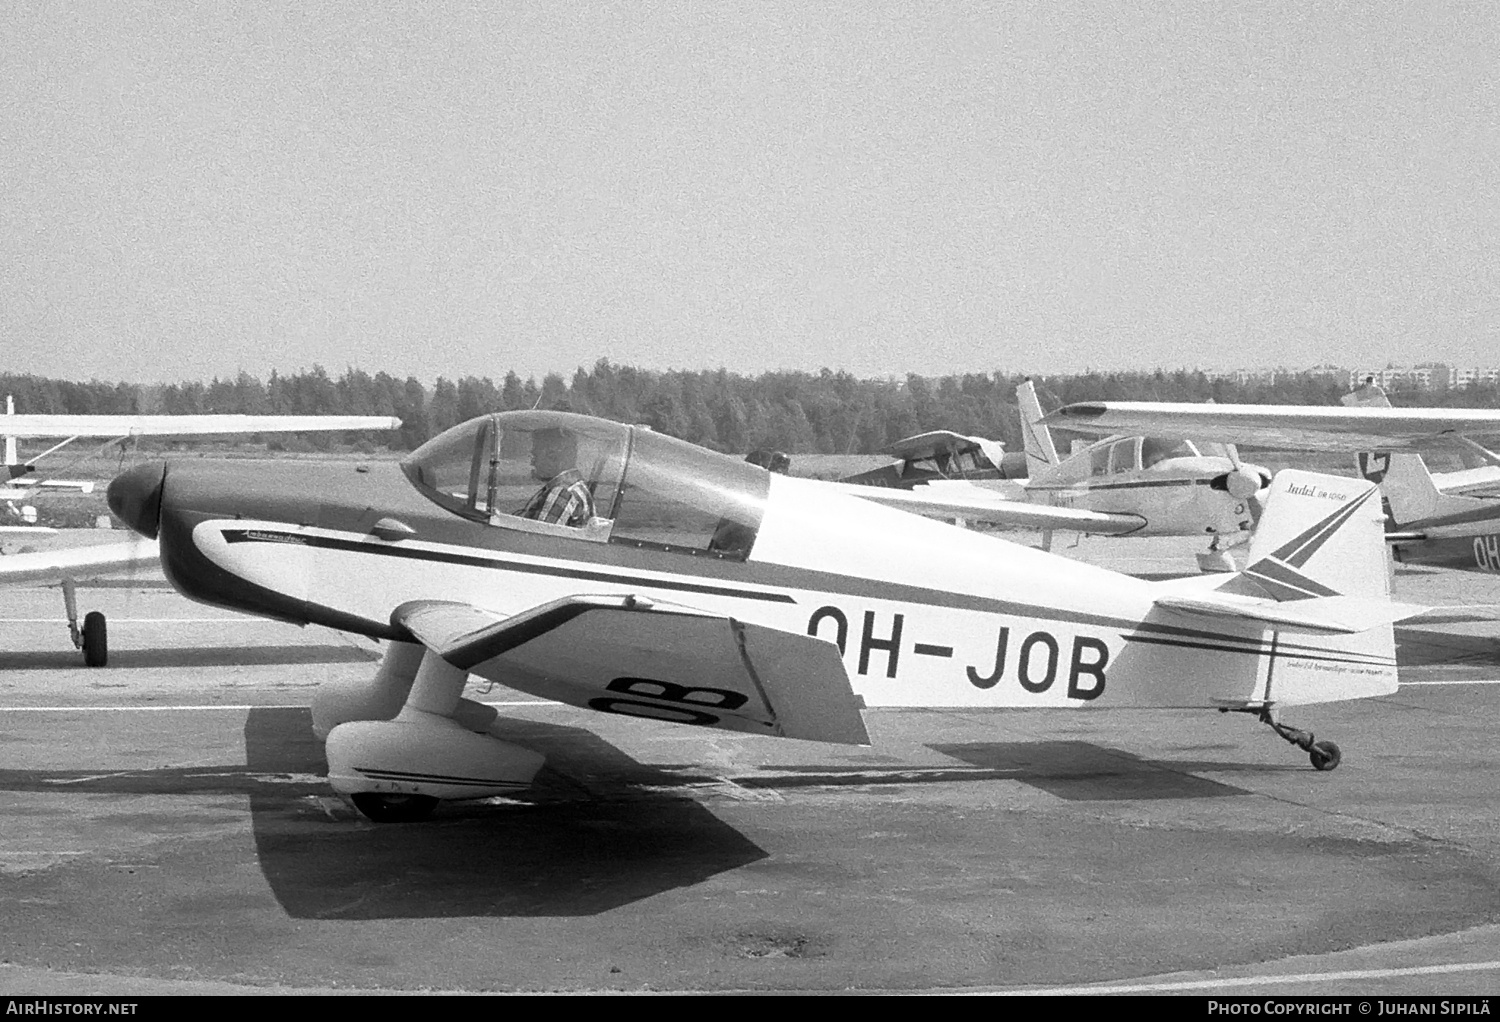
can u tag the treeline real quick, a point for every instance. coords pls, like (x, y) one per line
(797, 412)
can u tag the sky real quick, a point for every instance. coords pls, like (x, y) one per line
(189, 190)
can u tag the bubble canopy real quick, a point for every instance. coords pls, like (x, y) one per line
(584, 478)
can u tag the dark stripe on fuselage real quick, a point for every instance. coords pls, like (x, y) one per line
(468, 560)
(1277, 649)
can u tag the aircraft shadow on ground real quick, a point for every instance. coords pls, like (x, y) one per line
(191, 656)
(598, 831)
(1083, 772)
(1077, 771)
(1425, 647)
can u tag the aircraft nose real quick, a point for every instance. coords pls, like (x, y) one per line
(135, 497)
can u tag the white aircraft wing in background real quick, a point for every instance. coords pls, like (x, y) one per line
(107, 426)
(963, 500)
(1286, 427)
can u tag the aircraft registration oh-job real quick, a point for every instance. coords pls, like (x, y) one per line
(614, 568)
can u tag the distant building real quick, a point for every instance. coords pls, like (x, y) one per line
(1465, 378)
(1428, 376)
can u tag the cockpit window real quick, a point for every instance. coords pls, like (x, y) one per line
(684, 498)
(1123, 456)
(1154, 449)
(571, 475)
(548, 467)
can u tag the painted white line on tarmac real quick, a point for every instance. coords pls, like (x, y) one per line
(1230, 983)
(226, 707)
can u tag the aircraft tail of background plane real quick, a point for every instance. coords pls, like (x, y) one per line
(1041, 453)
(1410, 489)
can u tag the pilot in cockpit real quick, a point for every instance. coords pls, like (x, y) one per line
(566, 498)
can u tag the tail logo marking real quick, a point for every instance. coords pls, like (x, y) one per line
(1278, 572)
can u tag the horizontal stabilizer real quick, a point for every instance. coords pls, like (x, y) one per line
(645, 658)
(1335, 615)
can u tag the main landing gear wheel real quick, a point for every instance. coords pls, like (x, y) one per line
(95, 640)
(1324, 755)
(386, 807)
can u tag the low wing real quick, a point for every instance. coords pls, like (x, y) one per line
(980, 504)
(640, 658)
(183, 425)
(1288, 427)
(79, 562)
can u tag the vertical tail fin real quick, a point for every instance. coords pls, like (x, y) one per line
(1320, 536)
(10, 441)
(1041, 454)
(1410, 492)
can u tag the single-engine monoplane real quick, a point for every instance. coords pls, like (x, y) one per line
(617, 569)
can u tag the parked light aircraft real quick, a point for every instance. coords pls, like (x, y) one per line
(1122, 485)
(1441, 520)
(70, 566)
(695, 588)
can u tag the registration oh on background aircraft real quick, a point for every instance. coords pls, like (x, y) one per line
(1124, 485)
(69, 566)
(691, 587)
(1448, 519)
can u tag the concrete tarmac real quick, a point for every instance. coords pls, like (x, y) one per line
(167, 827)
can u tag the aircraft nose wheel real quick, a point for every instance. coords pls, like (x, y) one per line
(387, 807)
(95, 640)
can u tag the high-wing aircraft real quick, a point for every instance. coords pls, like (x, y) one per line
(1439, 519)
(1122, 485)
(617, 569)
(69, 566)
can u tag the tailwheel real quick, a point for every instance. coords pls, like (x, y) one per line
(1324, 755)
(95, 641)
(390, 807)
